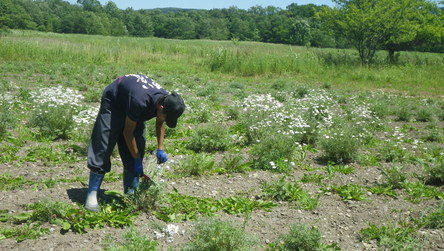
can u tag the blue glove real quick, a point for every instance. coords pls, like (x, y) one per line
(138, 167)
(161, 156)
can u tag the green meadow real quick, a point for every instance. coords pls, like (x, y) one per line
(64, 57)
(280, 147)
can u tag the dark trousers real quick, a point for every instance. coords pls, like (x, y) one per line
(107, 131)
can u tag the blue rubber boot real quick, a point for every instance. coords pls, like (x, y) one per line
(95, 181)
(130, 182)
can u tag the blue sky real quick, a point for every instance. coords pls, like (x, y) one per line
(208, 4)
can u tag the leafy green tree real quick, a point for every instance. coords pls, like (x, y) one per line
(377, 24)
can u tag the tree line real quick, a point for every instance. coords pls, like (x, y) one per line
(366, 25)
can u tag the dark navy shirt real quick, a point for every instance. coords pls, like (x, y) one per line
(137, 96)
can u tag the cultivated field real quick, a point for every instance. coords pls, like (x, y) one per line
(280, 148)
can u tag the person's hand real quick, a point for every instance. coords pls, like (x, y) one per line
(138, 167)
(161, 156)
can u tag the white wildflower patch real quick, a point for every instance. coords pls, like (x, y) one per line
(58, 96)
(61, 96)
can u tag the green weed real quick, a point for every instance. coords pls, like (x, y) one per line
(53, 121)
(313, 178)
(300, 238)
(212, 234)
(391, 237)
(175, 207)
(340, 145)
(78, 219)
(351, 192)
(417, 191)
(195, 165)
(232, 163)
(436, 171)
(432, 218)
(289, 191)
(383, 189)
(132, 240)
(274, 152)
(394, 176)
(23, 232)
(209, 139)
(344, 169)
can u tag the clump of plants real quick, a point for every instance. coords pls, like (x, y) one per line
(132, 240)
(7, 116)
(214, 234)
(350, 192)
(211, 138)
(300, 238)
(436, 171)
(391, 236)
(340, 145)
(53, 121)
(194, 165)
(283, 190)
(274, 152)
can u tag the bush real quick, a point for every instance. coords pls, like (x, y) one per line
(195, 165)
(274, 152)
(436, 172)
(289, 191)
(132, 240)
(209, 139)
(146, 197)
(54, 121)
(213, 234)
(299, 238)
(7, 117)
(394, 176)
(425, 114)
(340, 145)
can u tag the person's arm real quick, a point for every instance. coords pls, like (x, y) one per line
(160, 132)
(128, 134)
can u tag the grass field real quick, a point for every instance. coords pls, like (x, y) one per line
(280, 148)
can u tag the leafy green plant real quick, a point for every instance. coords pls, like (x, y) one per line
(132, 240)
(274, 152)
(340, 145)
(289, 191)
(300, 238)
(436, 171)
(209, 139)
(404, 113)
(391, 237)
(213, 234)
(394, 176)
(7, 116)
(49, 155)
(432, 218)
(313, 178)
(232, 163)
(23, 232)
(53, 121)
(176, 207)
(383, 189)
(78, 219)
(417, 191)
(7, 182)
(425, 114)
(344, 169)
(350, 192)
(195, 165)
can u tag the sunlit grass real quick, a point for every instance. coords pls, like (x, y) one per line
(416, 73)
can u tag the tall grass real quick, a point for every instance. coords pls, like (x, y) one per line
(414, 73)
